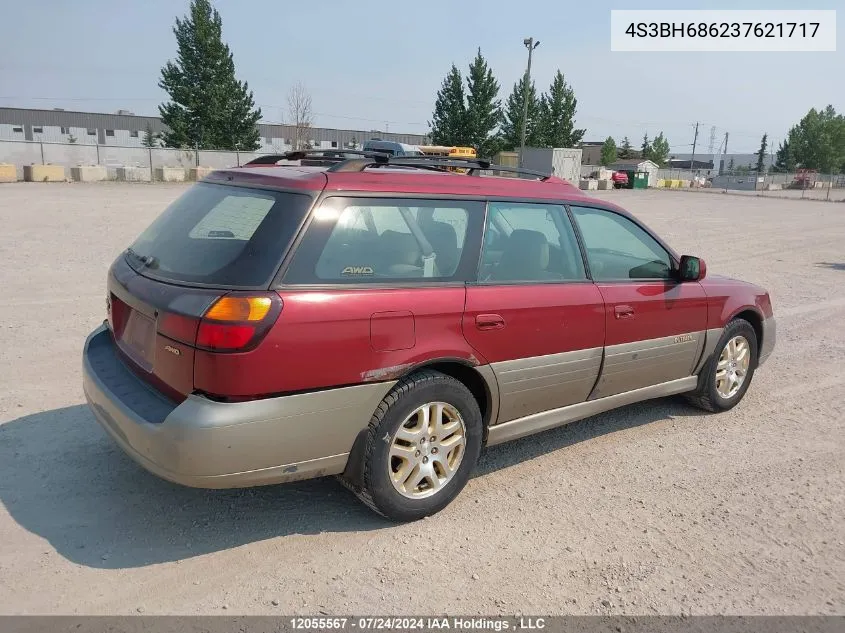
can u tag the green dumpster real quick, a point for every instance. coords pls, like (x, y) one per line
(641, 180)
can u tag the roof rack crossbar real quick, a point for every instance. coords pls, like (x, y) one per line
(343, 160)
(437, 163)
(334, 155)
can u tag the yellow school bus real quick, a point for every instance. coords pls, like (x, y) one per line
(444, 150)
(448, 151)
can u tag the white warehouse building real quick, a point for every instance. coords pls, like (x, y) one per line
(125, 129)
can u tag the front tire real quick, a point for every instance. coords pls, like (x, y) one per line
(727, 375)
(423, 442)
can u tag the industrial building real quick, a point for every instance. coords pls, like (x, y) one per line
(125, 129)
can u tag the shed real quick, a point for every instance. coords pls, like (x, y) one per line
(562, 162)
(638, 164)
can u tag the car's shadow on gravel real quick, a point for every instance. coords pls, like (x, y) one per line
(831, 265)
(628, 417)
(63, 479)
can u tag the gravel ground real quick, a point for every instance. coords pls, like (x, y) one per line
(653, 508)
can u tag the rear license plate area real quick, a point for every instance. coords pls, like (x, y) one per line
(138, 339)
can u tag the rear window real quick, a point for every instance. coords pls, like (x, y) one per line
(220, 235)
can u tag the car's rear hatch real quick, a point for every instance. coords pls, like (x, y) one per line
(214, 241)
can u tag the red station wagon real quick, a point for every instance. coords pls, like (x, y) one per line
(383, 319)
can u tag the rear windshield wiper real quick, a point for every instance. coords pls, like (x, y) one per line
(147, 260)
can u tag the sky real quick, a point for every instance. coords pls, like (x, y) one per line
(376, 65)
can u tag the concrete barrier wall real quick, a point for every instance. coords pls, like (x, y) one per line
(44, 173)
(20, 153)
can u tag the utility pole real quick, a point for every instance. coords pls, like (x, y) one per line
(530, 44)
(694, 141)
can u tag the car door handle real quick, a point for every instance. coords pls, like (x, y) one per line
(489, 322)
(623, 312)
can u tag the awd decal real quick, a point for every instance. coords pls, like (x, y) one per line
(172, 350)
(357, 270)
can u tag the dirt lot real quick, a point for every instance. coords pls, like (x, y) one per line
(654, 508)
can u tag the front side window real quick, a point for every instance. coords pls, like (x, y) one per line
(617, 248)
(529, 243)
(356, 240)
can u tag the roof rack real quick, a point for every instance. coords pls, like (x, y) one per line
(322, 156)
(435, 163)
(349, 160)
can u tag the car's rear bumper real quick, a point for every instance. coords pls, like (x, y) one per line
(769, 339)
(208, 444)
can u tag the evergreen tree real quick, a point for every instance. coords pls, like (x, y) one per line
(511, 135)
(608, 151)
(731, 165)
(818, 140)
(151, 139)
(209, 107)
(626, 151)
(659, 152)
(645, 150)
(484, 112)
(761, 153)
(783, 159)
(557, 115)
(448, 123)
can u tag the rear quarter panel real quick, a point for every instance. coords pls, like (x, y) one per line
(341, 337)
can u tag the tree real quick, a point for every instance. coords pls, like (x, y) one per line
(484, 111)
(626, 151)
(645, 150)
(818, 141)
(71, 139)
(511, 134)
(151, 139)
(301, 116)
(608, 151)
(448, 122)
(761, 153)
(783, 159)
(659, 152)
(557, 115)
(209, 107)
(731, 165)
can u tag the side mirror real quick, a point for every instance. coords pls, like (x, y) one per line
(691, 268)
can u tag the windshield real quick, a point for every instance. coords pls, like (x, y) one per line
(220, 235)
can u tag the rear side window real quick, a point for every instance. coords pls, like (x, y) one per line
(220, 235)
(358, 240)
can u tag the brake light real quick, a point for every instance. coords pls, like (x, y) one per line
(216, 336)
(237, 323)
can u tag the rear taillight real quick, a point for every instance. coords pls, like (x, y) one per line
(233, 323)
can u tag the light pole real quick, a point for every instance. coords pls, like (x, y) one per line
(530, 44)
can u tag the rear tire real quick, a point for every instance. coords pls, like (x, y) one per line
(726, 377)
(423, 442)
